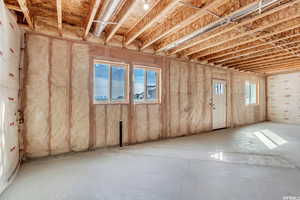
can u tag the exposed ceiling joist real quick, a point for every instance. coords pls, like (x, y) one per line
(160, 10)
(270, 63)
(272, 68)
(244, 49)
(59, 15)
(184, 17)
(26, 12)
(121, 18)
(230, 27)
(258, 53)
(91, 16)
(13, 7)
(233, 36)
(266, 59)
(239, 43)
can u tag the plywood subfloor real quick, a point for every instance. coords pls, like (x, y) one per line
(226, 164)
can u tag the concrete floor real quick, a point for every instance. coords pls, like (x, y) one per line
(231, 164)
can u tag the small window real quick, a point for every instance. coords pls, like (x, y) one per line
(146, 84)
(251, 93)
(110, 82)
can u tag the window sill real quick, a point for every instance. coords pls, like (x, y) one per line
(110, 103)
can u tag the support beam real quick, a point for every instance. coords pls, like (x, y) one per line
(159, 11)
(26, 12)
(220, 31)
(121, 18)
(183, 17)
(59, 16)
(93, 10)
(13, 7)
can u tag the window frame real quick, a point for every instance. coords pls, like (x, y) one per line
(158, 85)
(126, 85)
(257, 92)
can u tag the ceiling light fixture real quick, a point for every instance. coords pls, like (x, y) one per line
(146, 5)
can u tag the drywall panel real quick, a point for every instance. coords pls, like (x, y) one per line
(37, 100)
(80, 129)
(59, 97)
(284, 98)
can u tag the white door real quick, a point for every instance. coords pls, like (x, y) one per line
(218, 104)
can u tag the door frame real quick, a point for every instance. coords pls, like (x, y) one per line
(212, 96)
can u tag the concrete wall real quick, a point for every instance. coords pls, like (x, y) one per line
(60, 116)
(284, 98)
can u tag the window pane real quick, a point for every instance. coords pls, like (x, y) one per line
(101, 85)
(117, 83)
(253, 94)
(151, 85)
(247, 92)
(139, 84)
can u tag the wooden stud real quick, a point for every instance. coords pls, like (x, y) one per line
(160, 10)
(26, 12)
(93, 10)
(121, 18)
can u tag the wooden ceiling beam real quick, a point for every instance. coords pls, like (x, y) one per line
(91, 16)
(183, 17)
(260, 60)
(59, 15)
(13, 7)
(236, 44)
(120, 18)
(252, 52)
(277, 68)
(269, 63)
(255, 54)
(235, 36)
(224, 30)
(26, 12)
(159, 11)
(239, 50)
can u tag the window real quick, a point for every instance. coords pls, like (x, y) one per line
(146, 84)
(251, 93)
(110, 82)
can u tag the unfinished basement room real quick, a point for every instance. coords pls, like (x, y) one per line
(149, 99)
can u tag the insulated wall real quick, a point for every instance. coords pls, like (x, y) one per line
(60, 115)
(10, 37)
(284, 98)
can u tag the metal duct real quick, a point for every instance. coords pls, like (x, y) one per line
(221, 22)
(103, 20)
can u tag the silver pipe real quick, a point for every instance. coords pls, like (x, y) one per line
(111, 8)
(223, 21)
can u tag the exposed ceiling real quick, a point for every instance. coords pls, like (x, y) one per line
(260, 36)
